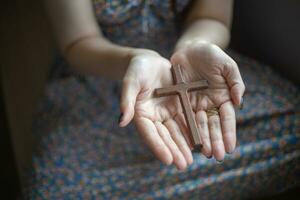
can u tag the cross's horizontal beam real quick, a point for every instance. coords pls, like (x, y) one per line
(181, 87)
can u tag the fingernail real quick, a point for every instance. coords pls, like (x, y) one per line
(241, 104)
(220, 161)
(120, 118)
(230, 152)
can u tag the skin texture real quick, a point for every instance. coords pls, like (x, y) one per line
(160, 121)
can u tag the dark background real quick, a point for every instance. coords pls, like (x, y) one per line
(267, 30)
(10, 186)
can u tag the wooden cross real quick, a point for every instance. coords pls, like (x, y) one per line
(182, 88)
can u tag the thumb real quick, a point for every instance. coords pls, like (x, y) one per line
(235, 82)
(130, 90)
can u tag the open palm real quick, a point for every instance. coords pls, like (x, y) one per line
(209, 62)
(160, 121)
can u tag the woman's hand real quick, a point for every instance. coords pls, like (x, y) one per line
(157, 119)
(202, 60)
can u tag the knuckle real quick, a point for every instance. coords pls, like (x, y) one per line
(203, 122)
(176, 156)
(206, 139)
(227, 118)
(202, 118)
(215, 122)
(159, 149)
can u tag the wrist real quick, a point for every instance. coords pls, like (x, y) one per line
(133, 52)
(181, 46)
(205, 31)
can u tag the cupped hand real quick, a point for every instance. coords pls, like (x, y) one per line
(157, 119)
(207, 61)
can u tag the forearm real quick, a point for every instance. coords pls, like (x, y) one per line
(81, 42)
(98, 56)
(205, 30)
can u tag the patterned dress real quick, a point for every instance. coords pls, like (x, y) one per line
(81, 153)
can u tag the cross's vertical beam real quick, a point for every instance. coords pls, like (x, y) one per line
(190, 119)
(177, 74)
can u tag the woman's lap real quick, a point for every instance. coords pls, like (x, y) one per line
(81, 152)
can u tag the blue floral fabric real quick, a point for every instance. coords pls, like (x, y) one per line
(81, 152)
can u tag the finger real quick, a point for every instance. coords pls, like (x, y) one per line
(178, 158)
(179, 58)
(201, 119)
(216, 137)
(180, 120)
(149, 133)
(179, 139)
(235, 82)
(130, 90)
(228, 123)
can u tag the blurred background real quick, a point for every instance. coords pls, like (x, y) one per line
(267, 30)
